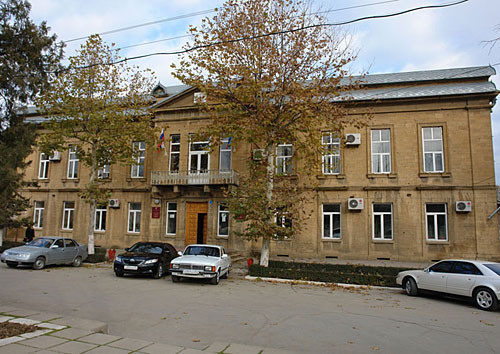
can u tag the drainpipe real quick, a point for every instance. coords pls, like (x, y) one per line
(472, 176)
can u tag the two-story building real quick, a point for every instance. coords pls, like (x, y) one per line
(417, 183)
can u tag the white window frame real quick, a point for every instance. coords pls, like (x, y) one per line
(330, 215)
(225, 152)
(103, 173)
(68, 215)
(136, 171)
(381, 215)
(135, 214)
(433, 153)
(38, 212)
(174, 153)
(380, 154)
(284, 162)
(72, 162)
(331, 158)
(435, 237)
(198, 154)
(100, 219)
(43, 168)
(169, 213)
(220, 212)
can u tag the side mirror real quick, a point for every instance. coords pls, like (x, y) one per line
(224, 255)
(179, 253)
(54, 246)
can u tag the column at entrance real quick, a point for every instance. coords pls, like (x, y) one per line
(196, 222)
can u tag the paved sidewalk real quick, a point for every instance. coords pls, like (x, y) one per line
(74, 335)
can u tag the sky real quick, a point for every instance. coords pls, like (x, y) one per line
(423, 40)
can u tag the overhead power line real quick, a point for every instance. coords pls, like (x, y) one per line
(182, 51)
(314, 13)
(199, 13)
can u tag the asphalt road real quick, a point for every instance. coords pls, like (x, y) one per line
(309, 319)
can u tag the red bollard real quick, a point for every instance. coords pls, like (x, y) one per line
(249, 262)
(111, 254)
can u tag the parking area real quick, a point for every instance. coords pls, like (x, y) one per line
(301, 318)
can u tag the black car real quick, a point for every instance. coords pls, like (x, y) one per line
(150, 258)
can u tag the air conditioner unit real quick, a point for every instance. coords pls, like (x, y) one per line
(114, 203)
(258, 154)
(353, 139)
(356, 204)
(56, 156)
(463, 206)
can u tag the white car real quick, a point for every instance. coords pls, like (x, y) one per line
(202, 262)
(479, 280)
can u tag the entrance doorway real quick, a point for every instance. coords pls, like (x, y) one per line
(196, 223)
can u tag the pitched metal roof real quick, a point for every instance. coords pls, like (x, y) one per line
(419, 91)
(427, 75)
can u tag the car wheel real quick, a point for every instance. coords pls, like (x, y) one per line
(77, 262)
(12, 264)
(215, 280)
(410, 287)
(119, 273)
(39, 263)
(485, 299)
(226, 274)
(175, 278)
(159, 272)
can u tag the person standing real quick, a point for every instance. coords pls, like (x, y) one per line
(30, 233)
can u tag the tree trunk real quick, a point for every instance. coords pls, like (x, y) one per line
(93, 174)
(266, 239)
(90, 246)
(2, 232)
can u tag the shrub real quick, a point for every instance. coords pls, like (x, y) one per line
(332, 273)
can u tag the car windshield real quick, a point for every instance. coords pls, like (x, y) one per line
(495, 267)
(202, 251)
(41, 242)
(146, 248)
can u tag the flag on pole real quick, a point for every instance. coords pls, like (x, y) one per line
(161, 144)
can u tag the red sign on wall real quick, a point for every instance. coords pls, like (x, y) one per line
(156, 212)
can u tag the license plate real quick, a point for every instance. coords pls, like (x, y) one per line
(130, 267)
(189, 271)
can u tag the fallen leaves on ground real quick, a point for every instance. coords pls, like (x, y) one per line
(9, 329)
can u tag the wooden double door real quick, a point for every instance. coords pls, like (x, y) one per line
(196, 222)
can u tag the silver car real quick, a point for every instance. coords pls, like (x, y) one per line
(479, 280)
(46, 250)
(202, 262)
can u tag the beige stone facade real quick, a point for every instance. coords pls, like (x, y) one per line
(427, 146)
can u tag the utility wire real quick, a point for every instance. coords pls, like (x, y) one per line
(204, 12)
(183, 51)
(314, 13)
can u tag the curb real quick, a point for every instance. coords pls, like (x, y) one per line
(320, 283)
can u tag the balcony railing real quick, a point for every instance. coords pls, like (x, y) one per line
(181, 178)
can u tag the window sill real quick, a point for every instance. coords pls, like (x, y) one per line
(382, 175)
(292, 177)
(334, 240)
(133, 234)
(431, 242)
(437, 174)
(170, 235)
(223, 237)
(66, 231)
(383, 241)
(104, 180)
(75, 180)
(136, 179)
(331, 176)
(100, 232)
